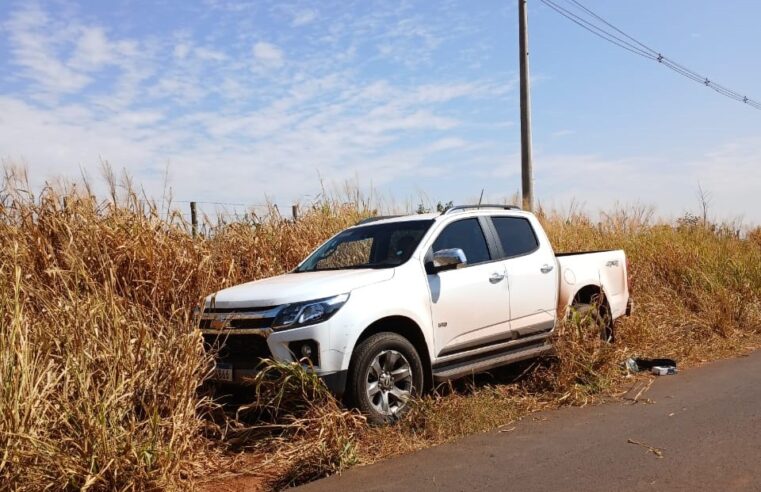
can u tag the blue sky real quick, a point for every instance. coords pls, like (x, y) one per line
(239, 100)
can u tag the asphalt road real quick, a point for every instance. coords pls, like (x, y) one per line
(705, 423)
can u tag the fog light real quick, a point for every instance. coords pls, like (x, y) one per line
(306, 350)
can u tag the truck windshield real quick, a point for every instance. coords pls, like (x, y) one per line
(371, 246)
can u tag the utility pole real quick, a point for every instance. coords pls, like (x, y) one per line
(527, 177)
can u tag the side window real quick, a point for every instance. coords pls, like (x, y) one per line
(516, 235)
(402, 243)
(467, 235)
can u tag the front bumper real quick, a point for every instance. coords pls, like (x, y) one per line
(335, 381)
(238, 348)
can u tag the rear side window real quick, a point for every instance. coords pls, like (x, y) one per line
(516, 235)
(467, 235)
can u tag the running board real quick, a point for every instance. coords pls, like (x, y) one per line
(465, 368)
(452, 356)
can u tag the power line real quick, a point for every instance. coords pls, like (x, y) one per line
(625, 41)
(597, 31)
(585, 9)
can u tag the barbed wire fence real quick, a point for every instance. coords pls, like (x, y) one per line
(205, 216)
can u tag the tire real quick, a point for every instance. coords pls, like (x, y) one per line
(599, 316)
(385, 372)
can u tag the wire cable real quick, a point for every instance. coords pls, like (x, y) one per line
(623, 40)
(597, 31)
(588, 11)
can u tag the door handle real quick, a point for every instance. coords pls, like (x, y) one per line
(547, 268)
(496, 277)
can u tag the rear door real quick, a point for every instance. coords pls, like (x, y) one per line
(531, 275)
(471, 302)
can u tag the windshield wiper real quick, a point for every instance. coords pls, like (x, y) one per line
(381, 264)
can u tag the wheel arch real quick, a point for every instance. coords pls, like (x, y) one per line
(586, 294)
(407, 328)
(594, 296)
(590, 294)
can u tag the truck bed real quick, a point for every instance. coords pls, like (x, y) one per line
(605, 269)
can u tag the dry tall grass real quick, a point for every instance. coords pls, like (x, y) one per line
(100, 363)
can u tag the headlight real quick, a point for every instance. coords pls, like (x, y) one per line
(309, 313)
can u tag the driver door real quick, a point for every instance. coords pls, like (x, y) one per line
(469, 304)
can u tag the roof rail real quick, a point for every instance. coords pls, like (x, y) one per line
(483, 205)
(375, 218)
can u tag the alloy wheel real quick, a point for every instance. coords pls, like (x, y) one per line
(389, 382)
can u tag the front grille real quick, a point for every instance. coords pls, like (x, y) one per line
(240, 318)
(237, 310)
(251, 323)
(242, 351)
(205, 324)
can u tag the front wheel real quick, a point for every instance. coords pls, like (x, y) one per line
(385, 373)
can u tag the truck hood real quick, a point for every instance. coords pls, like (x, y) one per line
(296, 287)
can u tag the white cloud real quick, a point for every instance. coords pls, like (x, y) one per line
(303, 17)
(277, 149)
(268, 53)
(62, 56)
(209, 54)
(181, 50)
(93, 49)
(34, 43)
(440, 93)
(72, 137)
(445, 144)
(234, 6)
(668, 185)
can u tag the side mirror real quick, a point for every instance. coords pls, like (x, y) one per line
(449, 259)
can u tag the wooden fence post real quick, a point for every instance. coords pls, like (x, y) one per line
(295, 211)
(194, 218)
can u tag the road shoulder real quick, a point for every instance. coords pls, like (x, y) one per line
(701, 430)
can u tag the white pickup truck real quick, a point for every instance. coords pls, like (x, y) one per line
(383, 310)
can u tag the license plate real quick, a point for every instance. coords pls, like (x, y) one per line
(223, 372)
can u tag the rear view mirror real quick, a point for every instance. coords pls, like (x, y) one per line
(449, 259)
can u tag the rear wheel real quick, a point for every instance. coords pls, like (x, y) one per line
(598, 316)
(385, 373)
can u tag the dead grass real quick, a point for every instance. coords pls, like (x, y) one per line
(100, 363)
